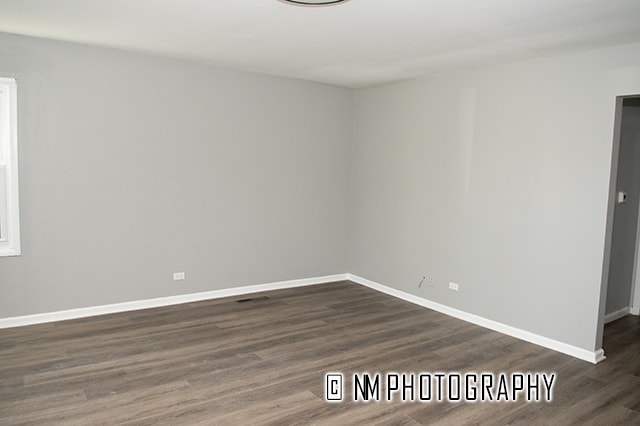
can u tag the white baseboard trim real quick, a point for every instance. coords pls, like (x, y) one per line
(617, 315)
(591, 356)
(162, 301)
(599, 356)
(635, 310)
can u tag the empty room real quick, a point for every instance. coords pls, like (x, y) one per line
(328, 212)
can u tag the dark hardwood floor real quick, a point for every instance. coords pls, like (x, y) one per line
(263, 362)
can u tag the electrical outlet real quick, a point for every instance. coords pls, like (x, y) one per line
(454, 286)
(178, 276)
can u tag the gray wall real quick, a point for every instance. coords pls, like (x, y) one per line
(133, 167)
(623, 247)
(496, 179)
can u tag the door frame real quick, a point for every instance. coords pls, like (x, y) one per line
(611, 206)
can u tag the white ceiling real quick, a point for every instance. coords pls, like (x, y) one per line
(356, 44)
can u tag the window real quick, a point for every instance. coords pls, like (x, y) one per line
(9, 213)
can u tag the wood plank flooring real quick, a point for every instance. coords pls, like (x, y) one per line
(263, 362)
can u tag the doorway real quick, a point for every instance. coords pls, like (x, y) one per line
(621, 274)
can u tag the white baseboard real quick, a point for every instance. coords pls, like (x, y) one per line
(635, 310)
(162, 301)
(617, 315)
(591, 356)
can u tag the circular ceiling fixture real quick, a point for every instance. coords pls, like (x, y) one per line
(314, 3)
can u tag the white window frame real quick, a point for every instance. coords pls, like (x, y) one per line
(9, 200)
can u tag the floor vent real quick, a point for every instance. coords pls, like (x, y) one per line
(253, 299)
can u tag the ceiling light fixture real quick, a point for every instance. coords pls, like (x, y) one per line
(314, 3)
